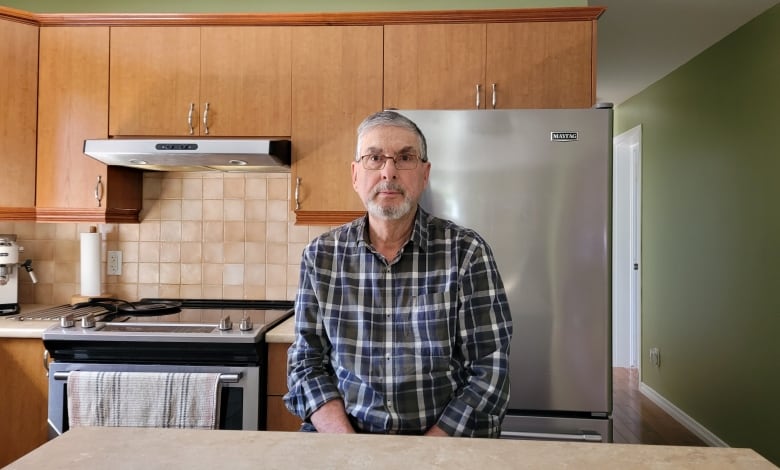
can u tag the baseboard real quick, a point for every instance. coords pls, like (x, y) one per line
(691, 424)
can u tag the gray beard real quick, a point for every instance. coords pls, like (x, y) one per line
(388, 212)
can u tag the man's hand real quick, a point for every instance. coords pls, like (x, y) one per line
(332, 418)
(436, 431)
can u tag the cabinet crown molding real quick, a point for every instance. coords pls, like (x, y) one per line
(304, 19)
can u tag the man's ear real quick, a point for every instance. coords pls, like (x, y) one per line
(354, 175)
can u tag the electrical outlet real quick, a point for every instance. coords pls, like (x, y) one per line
(655, 357)
(114, 263)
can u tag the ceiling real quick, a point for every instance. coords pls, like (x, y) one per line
(641, 41)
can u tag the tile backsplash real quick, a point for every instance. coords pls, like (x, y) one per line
(202, 235)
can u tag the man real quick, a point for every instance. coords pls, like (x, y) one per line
(401, 319)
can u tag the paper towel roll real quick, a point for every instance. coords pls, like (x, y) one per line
(90, 264)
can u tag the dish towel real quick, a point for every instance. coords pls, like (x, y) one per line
(143, 399)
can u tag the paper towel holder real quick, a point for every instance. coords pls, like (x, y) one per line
(80, 297)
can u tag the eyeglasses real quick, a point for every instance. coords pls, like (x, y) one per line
(403, 161)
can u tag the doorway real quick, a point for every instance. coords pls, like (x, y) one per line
(626, 248)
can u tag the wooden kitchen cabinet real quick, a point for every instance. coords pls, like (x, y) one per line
(337, 82)
(278, 418)
(18, 90)
(199, 81)
(72, 107)
(24, 392)
(540, 64)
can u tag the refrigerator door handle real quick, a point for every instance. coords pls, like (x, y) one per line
(587, 436)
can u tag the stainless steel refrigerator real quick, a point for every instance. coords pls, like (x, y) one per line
(536, 184)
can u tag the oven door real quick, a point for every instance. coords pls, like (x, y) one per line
(239, 397)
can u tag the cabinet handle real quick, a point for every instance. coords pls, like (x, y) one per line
(46, 361)
(99, 191)
(297, 193)
(189, 118)
(478, 88)
(494, 96)
(206, 119)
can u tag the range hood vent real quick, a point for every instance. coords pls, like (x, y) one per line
(228, 155)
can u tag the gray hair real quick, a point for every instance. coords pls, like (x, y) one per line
(391, 118)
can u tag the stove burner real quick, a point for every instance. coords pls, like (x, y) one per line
(118, 307)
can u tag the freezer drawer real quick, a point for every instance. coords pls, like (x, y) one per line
(557, 428)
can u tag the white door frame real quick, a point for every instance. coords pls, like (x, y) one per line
(626, 243)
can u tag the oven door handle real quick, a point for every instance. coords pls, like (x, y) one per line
(223, 378)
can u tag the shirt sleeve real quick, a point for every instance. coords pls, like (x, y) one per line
(309, 376)
(485, 331)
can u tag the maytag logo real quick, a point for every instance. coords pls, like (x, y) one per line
(563, 136)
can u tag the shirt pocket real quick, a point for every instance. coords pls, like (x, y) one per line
(431, 326)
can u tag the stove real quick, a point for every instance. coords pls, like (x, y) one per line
(164, 336)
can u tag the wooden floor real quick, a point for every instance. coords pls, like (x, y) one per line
(637, 420)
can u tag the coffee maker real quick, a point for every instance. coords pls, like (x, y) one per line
(9, 274)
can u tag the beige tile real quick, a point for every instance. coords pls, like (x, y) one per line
(170, 273)
(170, 291)
(276, 275)
(213, 231)
(255, 292)
(234, 209)
(255, 252)
(39, 250)
(170, 231)
(277, 232)
(191, 252)
(66, 232)
(234, 292)
(150, 210)
(276, 253)
(192, 292)
(170, 252)
(192, 209)
(254, 274)
(148, 291)
(297, 233)
(152, 187)
(129, 273)
(129, 251)
(213, 292)
(256, 187)
(276, 293)
(234, 252)
(191, 273)
(149, 232)
(191, 231)
(234, 231)
(278, 190)
(63, 291)
(42, 294)
(129, 232)
(42, 231)
(149, 252)
(67, 272)
(213, 209)
(171, 188)
(148, 273)
(278, 211)
(212, 188)
(170, 209)
(212, 273)
(233, 187)
(256, 231)
(255, 210)
(213, 253)
(192, 188)
(233, 275)
(67, 250)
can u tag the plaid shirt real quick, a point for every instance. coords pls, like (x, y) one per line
(417, 341)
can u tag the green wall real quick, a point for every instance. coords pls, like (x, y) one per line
(259, 6)
(711, 234)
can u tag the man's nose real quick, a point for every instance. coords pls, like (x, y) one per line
(389, 171)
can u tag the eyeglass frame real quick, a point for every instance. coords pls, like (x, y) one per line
(385, 158)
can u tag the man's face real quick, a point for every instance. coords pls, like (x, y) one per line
(389, 193)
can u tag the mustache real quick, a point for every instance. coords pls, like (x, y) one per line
(387, 186)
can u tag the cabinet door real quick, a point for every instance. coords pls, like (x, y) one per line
(337, 82)
(155, 81)
(73, 106)
(434, 66)
(541, 64)
(18, 88)
(24, 405)
(245, 79)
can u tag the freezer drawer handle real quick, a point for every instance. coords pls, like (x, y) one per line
(588, 436)
(223, 378)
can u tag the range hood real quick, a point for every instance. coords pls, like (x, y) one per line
(161, 154)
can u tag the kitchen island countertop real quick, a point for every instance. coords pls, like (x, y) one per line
(25, 329)
(131, 448)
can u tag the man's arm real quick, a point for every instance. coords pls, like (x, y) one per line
(332, 418)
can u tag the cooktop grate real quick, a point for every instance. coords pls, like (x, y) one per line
(55, 313)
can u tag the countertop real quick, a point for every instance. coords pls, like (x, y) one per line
(283, 332)
(132, 448)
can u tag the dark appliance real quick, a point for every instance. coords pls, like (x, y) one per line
(211, 336)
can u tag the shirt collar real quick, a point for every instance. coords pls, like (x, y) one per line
(419, 230)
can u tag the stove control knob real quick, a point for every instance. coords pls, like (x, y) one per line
(88, 321)
(246, 324)
(225, 323)
(66, 321)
